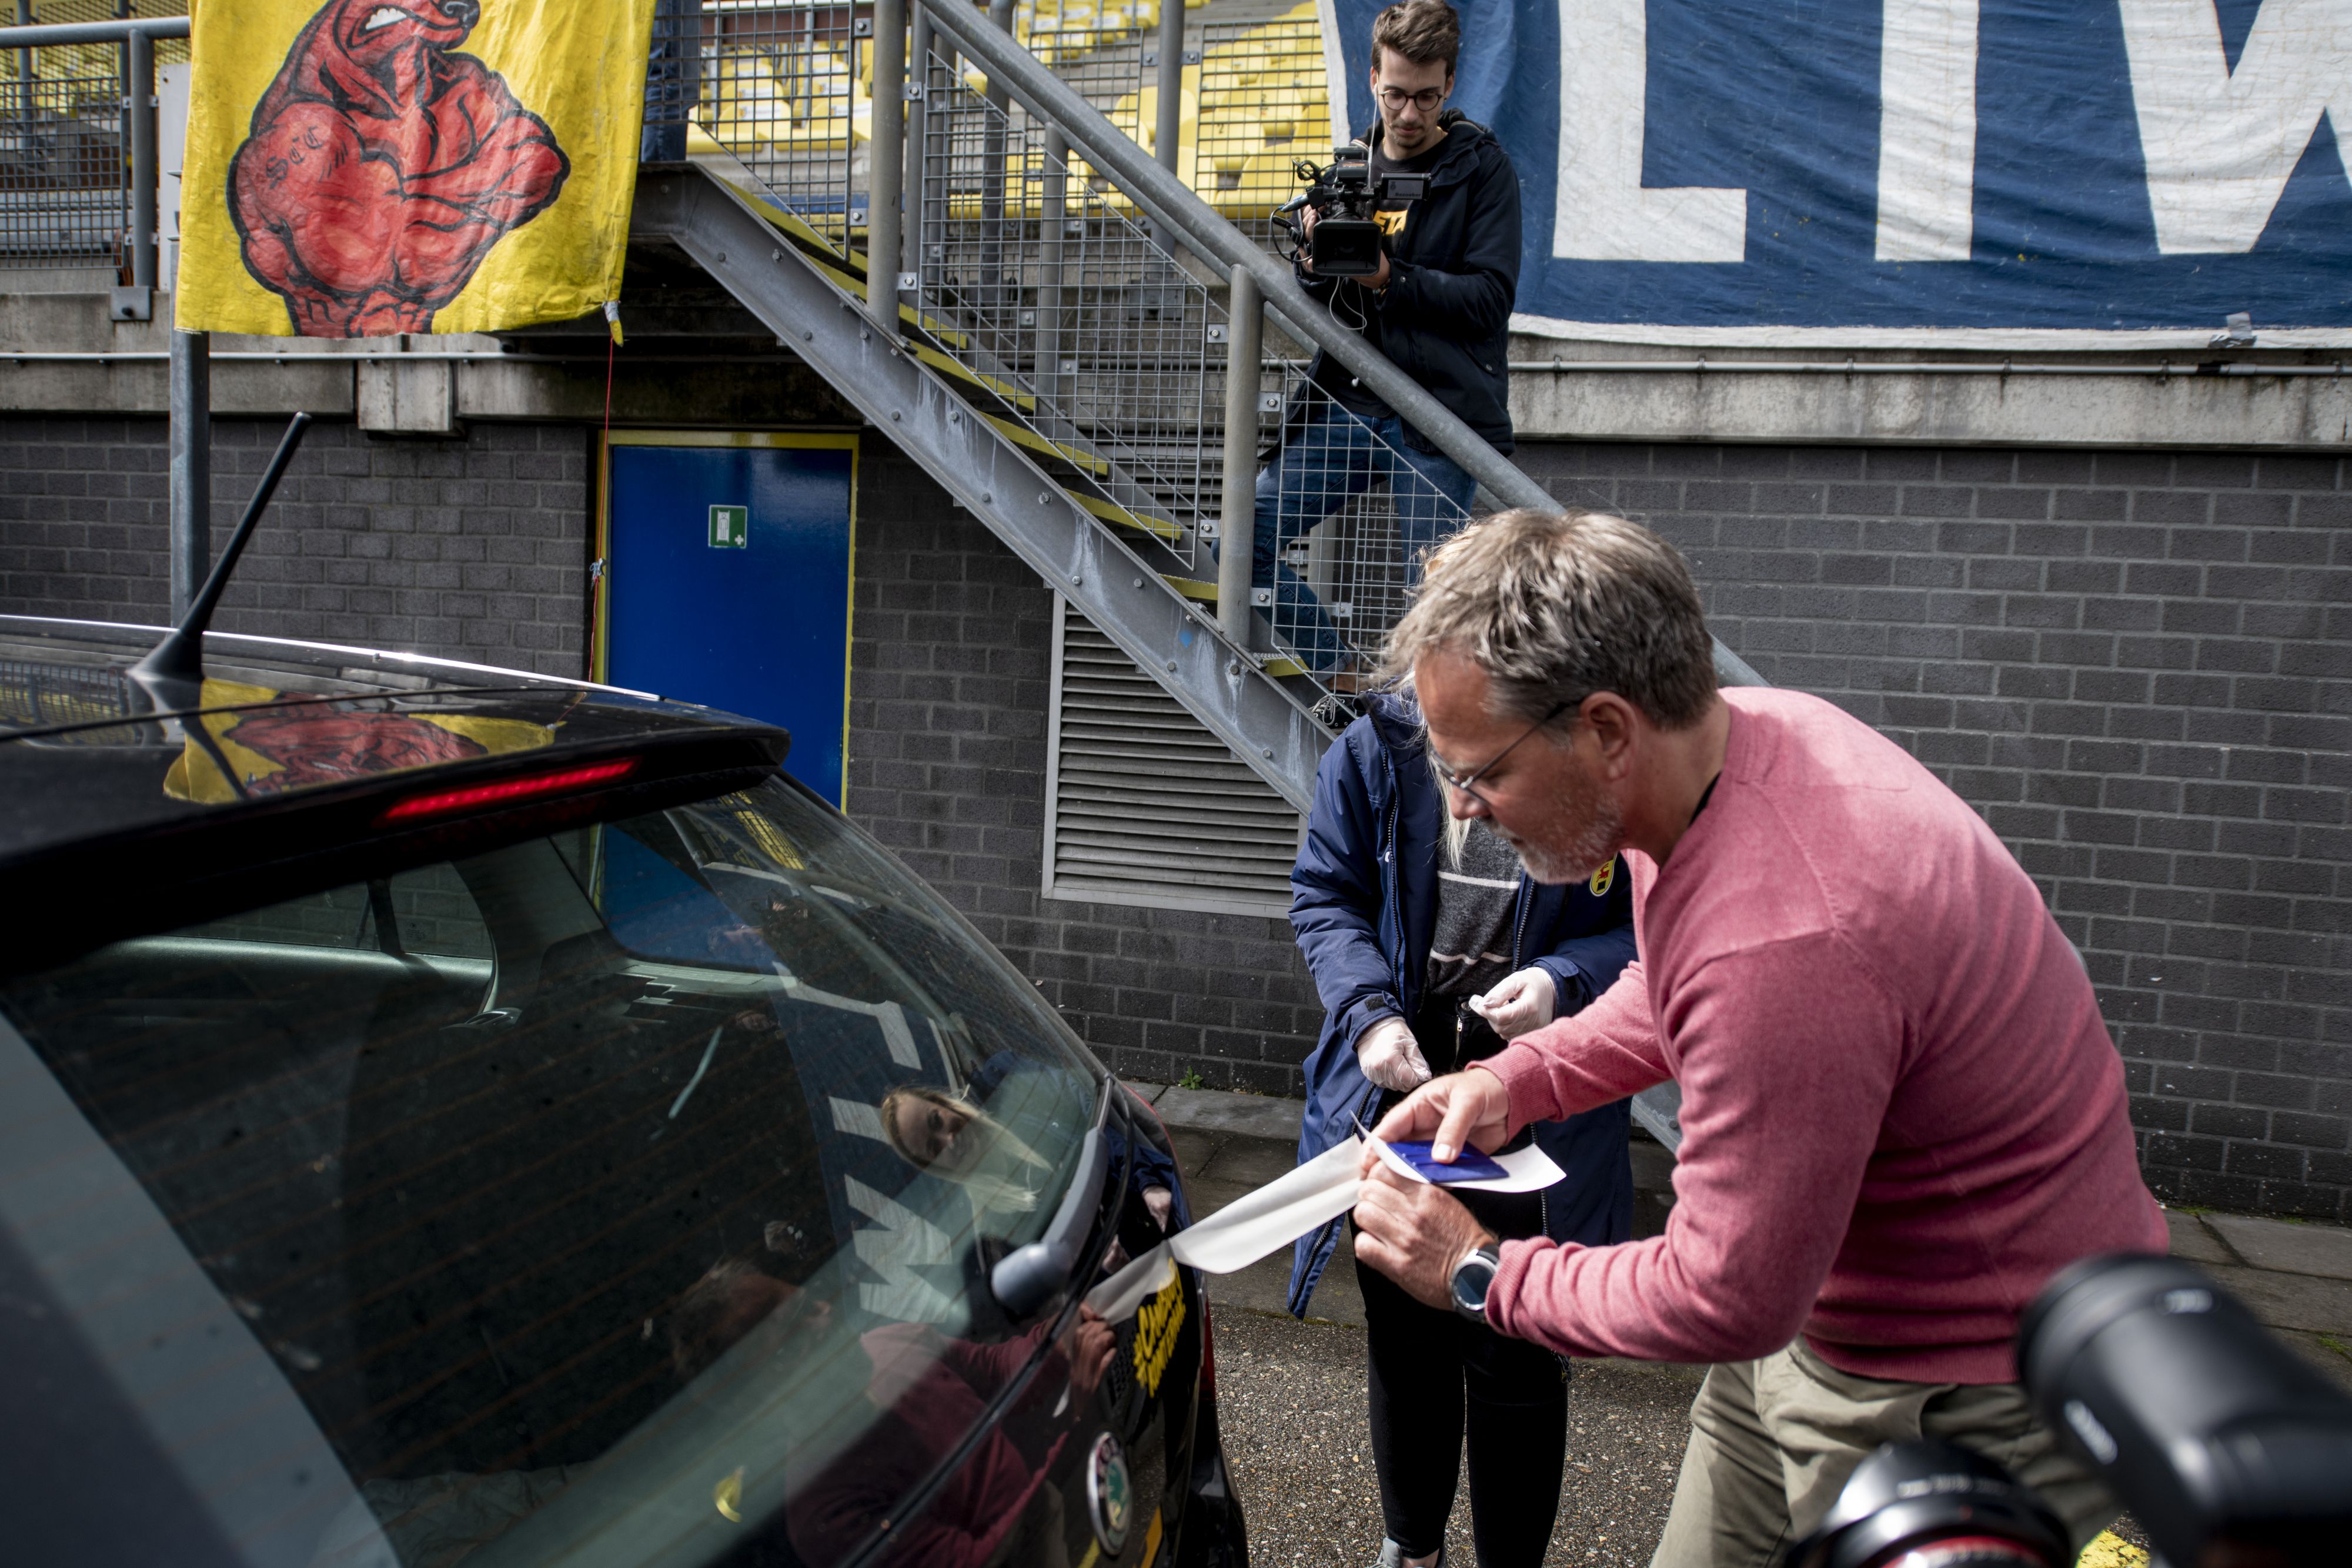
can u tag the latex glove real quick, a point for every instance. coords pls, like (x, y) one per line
(1160, 1204)
(1518, 1003)
(1390, 1057)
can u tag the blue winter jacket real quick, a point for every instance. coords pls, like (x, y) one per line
(1363, 899)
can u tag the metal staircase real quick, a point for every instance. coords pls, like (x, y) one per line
(1063, 334)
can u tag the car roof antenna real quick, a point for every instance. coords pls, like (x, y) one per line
(174, 670)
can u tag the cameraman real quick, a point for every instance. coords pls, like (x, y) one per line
(1902, 1113)
(1439, 308)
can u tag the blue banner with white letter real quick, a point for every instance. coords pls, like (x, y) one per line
(1763, 169)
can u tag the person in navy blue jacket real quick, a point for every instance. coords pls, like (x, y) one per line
(1429, 944)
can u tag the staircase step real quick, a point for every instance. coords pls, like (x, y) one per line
(948, 366)
(1109, 512)
(1020, 434)
(1192, 588)
(855, 287)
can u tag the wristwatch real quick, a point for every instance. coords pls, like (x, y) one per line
(1472, 1277)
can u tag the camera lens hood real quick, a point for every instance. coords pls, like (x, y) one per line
(1934, 1502)
(2205, 1425)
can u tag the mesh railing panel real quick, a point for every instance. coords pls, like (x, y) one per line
(1264, 104)
(65, 199)
(788, 90)
(1050, 289)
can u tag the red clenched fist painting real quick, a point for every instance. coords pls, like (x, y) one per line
(382, 167)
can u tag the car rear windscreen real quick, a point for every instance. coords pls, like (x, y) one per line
(622, 1196)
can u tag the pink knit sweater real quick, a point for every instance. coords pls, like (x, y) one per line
(1901, 1112)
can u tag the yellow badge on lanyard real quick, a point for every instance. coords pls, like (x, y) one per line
(1603, 880)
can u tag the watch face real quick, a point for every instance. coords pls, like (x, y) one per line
(1471, 1278)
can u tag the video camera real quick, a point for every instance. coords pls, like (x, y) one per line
(1345, 193)
(2229, 1449)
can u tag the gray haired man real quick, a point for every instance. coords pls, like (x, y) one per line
(1902, 1113)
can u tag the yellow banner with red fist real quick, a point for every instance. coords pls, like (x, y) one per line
(359, 168)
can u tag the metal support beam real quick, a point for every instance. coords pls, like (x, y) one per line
(886, 162)
(191, 467)
(910, 184)
(1266, 727)
(1237, 521)
(1169, 131)
(144, 173)
(1053, 218)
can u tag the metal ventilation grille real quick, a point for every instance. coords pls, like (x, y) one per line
(1146, 806)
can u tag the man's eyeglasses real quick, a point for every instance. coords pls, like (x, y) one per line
(1395, 97)
(1463, 781)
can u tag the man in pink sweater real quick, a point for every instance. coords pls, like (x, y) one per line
(1901, 1112)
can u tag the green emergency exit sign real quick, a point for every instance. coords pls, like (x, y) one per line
(730, 528)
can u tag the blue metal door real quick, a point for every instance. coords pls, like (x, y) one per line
(727, 565)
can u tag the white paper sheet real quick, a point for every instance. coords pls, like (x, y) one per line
(1281, 1211)
(1242, 1232)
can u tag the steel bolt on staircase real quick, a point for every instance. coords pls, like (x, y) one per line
(1065, 336)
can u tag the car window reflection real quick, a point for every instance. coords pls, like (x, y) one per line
(583, 1186)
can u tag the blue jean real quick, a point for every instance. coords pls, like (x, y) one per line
(1332, 457)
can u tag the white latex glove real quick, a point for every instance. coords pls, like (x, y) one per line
(1160, 1204)
(1390, 1057)
(1518, 1003)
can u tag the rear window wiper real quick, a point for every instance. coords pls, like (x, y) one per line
(1027, 1277)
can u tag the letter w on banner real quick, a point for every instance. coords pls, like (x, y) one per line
(357, 168)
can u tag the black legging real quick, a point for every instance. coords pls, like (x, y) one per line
(1426, 1364)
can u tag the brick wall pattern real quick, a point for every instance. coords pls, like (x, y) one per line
(469, 550)
(2138, 667)
(951, 659)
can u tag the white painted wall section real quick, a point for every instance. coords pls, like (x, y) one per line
(1927, 131)
(1602, 212)
(2220, 143)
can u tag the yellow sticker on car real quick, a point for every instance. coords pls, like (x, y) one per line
(1156, 1325)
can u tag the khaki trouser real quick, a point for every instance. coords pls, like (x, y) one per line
(1773, 1441)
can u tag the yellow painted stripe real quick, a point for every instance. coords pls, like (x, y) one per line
(1022, 435)
(1151, 1541)
(1192, 588)
(1119, 516)
(847, 282)
(2111, 1551)
(1279, 667)
(962, 373)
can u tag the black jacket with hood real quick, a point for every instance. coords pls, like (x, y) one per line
(1453, 271)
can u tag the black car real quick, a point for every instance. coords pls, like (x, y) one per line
(460, 1116)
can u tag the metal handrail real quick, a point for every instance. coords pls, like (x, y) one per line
(1169, 200)
(41, 34)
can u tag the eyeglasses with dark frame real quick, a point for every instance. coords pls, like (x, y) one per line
(1463, 782)
(1395, 97)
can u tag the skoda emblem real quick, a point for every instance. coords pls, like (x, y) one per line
(1109, 1502)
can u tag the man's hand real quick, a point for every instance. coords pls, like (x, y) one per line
(1390, 1057)
(1089, 1345)
(1462, 1108)
(1415, 1232)
(1519, 1002)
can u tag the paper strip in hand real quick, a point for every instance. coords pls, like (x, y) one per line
(1242, 1232)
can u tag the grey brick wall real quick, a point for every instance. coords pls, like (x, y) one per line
(471, 549)
(2139, 667)
(951, 659)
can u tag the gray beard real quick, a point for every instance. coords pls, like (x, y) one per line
(1592, 847)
